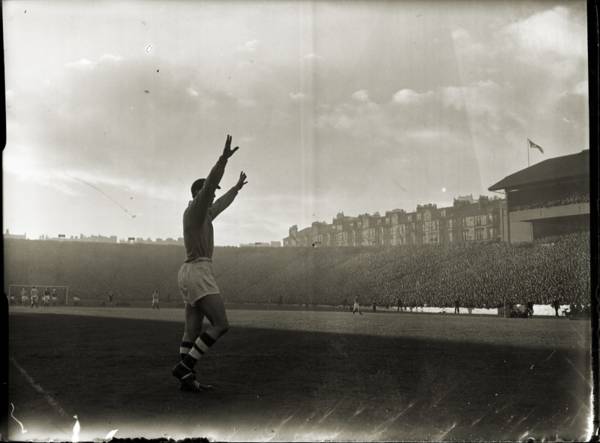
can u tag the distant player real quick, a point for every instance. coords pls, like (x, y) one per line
(24, 297)
(110, 298)
(155, 299)
(34, 297)
(356, 307)
(54, 297)
(529, 309)
(556, 306)
(457, 306)
(46, 297)
(196, 278)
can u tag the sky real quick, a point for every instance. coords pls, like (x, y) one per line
(113, 109)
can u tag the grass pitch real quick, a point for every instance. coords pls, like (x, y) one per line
(293, 375)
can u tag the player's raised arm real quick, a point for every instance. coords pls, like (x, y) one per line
(223, 202)
(205, 195)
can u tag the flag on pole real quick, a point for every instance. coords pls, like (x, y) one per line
(535, 146)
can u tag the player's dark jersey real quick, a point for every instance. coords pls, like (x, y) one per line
(198, 235)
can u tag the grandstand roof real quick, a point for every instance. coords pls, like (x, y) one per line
(557, 168)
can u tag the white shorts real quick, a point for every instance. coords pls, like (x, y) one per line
(196, 280)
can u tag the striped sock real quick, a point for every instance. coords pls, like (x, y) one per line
(199, 348)
(184, 349)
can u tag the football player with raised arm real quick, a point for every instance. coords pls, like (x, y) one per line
(196, 279)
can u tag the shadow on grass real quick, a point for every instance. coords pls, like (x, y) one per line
(289, 384)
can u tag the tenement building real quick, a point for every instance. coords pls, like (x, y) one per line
(466, 220)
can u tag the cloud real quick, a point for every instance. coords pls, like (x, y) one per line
(478, 96)
(21, 162)
(82, 64)
(408, 97)
(313, 56)
(460, 34)
(103, 123)
(247, 139)
(137, 185)
(453, 96)
(466, 46)
(554, 31)
(249, 46)
(298, 96)
(545, 49)
(361, 95)
(191, 91)
(427, 135)
(246, 102)
(86, 64)
(110, 58)
(490, 106)
(336, 121)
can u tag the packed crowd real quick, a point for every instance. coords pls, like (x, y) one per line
(569, 200)
(479, 275)
(476, 275)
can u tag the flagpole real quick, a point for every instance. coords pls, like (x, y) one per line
(528, 148)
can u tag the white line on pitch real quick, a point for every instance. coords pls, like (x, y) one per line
(51, 401)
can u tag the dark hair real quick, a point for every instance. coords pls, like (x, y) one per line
(197, 185)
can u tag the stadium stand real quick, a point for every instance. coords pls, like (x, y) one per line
(548, 198)
(478, 274)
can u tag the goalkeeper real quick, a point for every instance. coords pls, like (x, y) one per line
(196, 280)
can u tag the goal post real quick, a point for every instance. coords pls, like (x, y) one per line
(61, 292)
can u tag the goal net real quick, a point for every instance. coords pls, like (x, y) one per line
(21, 294)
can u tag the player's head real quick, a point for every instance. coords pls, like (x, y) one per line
(197, 186)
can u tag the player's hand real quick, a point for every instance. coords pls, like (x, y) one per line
(227, 151)
(242, 181)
